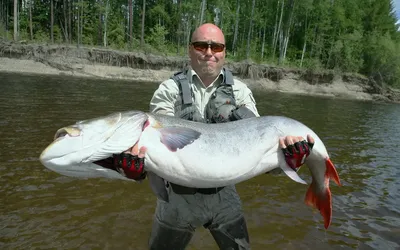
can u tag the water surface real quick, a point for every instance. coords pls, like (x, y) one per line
(42, 209)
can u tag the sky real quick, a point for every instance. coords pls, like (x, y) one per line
(397, 8)
(396, 4)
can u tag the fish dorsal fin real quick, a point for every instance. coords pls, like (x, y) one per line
(175, 138)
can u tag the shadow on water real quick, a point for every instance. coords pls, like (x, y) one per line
(45, 210)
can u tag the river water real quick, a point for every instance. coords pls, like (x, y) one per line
(42, 209)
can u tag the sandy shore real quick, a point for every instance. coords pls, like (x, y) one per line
(289, 84)
(83, 70)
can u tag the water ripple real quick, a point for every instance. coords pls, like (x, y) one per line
(41, 209)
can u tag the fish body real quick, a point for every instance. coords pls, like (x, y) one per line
(224, 153)
(189, 153)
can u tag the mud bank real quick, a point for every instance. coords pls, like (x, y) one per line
(138, 66)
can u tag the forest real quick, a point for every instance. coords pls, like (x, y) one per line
(357, 36)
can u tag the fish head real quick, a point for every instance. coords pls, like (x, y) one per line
(322, 170)
(76, 148)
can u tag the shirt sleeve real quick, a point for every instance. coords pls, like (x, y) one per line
(163, 100)
(244, 96)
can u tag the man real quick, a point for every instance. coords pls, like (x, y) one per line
(205, 92)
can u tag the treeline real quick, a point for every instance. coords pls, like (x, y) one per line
(346, 36)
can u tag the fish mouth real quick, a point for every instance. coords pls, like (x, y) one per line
(61, 134)
(100, 168)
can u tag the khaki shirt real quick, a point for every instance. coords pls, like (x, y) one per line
(164, 98)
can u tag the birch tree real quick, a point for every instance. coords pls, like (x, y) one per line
(30, 19)
(235, 35)
(52, 21)
(143, 19)
(202, 10)
(16, 20)
(65, 9)
(130, 22)
(285, 34)
(249, 31)
(106, 23)
(278, 27)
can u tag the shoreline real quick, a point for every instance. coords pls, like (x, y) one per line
(290, 83)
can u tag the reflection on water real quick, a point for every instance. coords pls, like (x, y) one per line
(43, 209)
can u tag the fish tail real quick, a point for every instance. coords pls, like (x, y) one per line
(322, 199)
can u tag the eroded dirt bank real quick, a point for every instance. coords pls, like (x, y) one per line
(138, 66)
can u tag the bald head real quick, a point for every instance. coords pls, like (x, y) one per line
(206, 31)
(206, 59)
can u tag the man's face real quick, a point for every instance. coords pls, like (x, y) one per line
(207, 52)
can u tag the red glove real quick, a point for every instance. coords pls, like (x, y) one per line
(131, 165)
(296, 154)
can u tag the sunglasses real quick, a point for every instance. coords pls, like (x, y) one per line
(203, 46)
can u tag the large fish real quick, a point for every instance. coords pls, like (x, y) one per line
(191, 154)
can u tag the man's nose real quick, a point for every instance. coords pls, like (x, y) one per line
(209, 51)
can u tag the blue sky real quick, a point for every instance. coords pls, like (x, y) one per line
(397, 7)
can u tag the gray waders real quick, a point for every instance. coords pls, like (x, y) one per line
(180, 210)
(219, 211)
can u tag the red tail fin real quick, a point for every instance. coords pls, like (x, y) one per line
(322, 199)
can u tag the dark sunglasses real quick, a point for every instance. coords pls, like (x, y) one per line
(203, 46)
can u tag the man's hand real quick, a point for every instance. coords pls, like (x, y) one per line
(135, 151)
(131, 163)
(296, 149)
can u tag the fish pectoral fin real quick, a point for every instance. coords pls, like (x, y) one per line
(291, 173)
(175, 138)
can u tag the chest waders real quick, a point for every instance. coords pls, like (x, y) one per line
(184, 107)
(217, 209)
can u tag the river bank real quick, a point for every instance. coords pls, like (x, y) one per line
(138, 66)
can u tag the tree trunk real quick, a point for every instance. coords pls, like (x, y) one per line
(15, 20)
(263, 40)
(130, 22)
(78, 25)
(188, 29)
(82, 19)
(70, 3)
(274, 36)
(52, 21)
(19, 19)
(203, 8)
(6, 18)
(30, 19)
(100, 29)
(303, 53)
(287, 32)
(178, 37)
(278, 29)
(305, 41)
(143, 19)
(2, 15)
(65, 20)
(235, 36)
(105, 25)
(250, 28)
